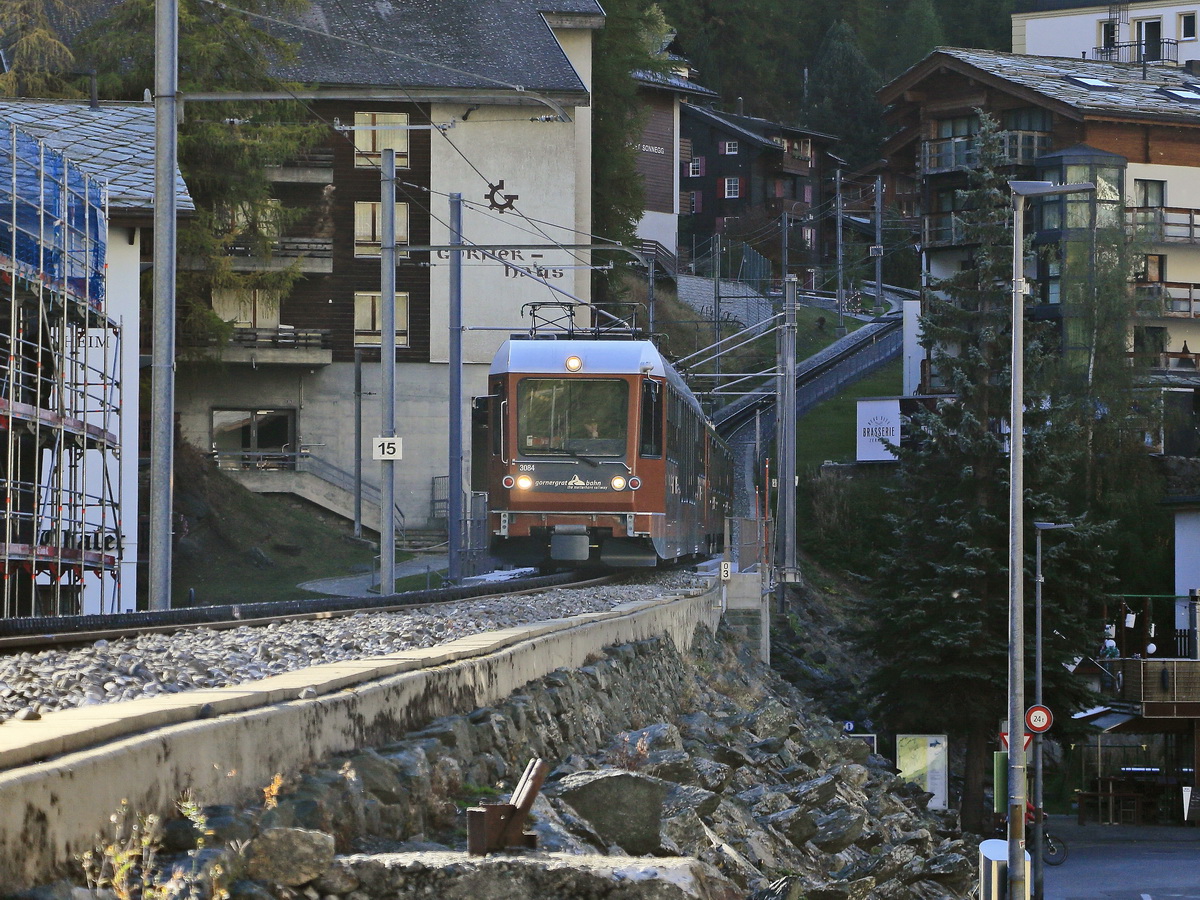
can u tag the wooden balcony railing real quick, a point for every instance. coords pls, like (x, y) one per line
(1164, 687)
(1164, 224)
(1019, 148)
(942, 230)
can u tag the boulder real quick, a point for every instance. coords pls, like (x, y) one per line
(839, 829)
(795, 823)
(625, 808)
(289, 856)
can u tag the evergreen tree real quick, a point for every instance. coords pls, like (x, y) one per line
(917, 32)
(39, 63)
(842, 100)
(632, 39)
(223, 147)
(939, 628)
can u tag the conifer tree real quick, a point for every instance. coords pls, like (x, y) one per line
(39, 63)
(939, 627)
(842, 100)
(224, 148)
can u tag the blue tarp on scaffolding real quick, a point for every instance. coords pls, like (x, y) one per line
(53, 220)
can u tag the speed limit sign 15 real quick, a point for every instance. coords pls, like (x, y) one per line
(1039, 719)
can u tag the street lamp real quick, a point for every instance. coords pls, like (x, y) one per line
(1038, 825)
(1017, 887)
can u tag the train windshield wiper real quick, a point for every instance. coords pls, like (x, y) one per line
(587, 459)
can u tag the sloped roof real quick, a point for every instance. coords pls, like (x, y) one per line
(1115, 89)
(114, 141)
(750, 128)
(672, 82)
(461, 44)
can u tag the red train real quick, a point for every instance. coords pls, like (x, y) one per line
(597, 453)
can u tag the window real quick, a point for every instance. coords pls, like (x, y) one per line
(1030, 118)
(252, 308)
(254, 438)
(375, 132)
(696, 167)
(695, 202)
(368, 228)
(802, 148)
(733, 188)
(1154, 268)
(1092, 84)
(958, 126)
(1187, 26)
(1184, 95)
(566, 417)
(808, 193)
(729, 148)
(1108, 34)
(1147, 193)
(368, 319)
(651, 430)
(779, 188)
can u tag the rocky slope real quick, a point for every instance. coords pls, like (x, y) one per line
(723, 782)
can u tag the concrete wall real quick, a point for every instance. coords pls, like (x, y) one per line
(63, 776)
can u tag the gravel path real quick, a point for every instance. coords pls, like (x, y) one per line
(148, 665)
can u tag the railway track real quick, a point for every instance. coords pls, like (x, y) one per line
(31, 635)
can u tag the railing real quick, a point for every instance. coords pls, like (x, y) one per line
(1166, 681)
(1165, 359)
(1018, 148)
(750, 544)
(286, 247)
(241, 460)
(1164, 51)
(1164, 224)
(282, 336)
(1179, 298)
(664, 259)
(942, 230)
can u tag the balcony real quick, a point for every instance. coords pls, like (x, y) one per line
(1165, 688)
(1163, 52)
(1018, 148)
(283, 345)
(314, 166)
(1180, 299)
(1164, 224)
(942, 230)
(312, 255)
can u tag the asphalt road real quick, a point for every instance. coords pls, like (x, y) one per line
(1125, 862)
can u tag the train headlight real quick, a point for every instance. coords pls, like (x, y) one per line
(573, 363)
(635, 483)
(524, 482)
(618, 482)
(508, 481)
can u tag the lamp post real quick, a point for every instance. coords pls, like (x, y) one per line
(1039, 868)
(1018, 889)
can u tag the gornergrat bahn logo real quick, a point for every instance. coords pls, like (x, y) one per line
(574, 483)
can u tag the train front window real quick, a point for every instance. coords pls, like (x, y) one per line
(572, 416)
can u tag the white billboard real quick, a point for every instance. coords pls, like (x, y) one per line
(878, 422)
(924, 759)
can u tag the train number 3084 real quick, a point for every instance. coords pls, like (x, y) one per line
(525, 467)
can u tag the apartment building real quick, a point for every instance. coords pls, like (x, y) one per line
(488, 100)
(742, 172)
(1153, 32)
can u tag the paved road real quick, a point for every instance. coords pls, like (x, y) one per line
(1122, 862)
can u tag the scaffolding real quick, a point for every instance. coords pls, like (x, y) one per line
(60, 388)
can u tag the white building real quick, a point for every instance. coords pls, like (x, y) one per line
(1153, 31)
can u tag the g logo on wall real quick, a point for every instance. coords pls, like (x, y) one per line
(493, 196)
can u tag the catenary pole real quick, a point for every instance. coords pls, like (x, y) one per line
(454, 512)
(162, 387)
(387, 373)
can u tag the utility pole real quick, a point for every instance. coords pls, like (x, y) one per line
(358, 435)
(717, 303)
(784, 222)
(387, 358)
(785, 418)
(650, 294)
(877, 250)
(162, 399)
(454, 512)
(841, 294)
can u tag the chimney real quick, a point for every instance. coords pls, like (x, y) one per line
(1192, 66)
(739, 106)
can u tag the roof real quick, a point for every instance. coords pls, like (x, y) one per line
(1082, 87)
(750, 128)
(459, 44)
(1047, 5)
(114, 141)
(672, 82)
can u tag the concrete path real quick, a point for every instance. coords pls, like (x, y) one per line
(359, 585)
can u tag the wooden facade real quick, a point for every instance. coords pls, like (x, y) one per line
(656, 152)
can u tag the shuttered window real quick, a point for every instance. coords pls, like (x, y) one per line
(368, 228)
(375, 132)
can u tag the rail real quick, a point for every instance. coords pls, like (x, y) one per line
(1164, 51)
